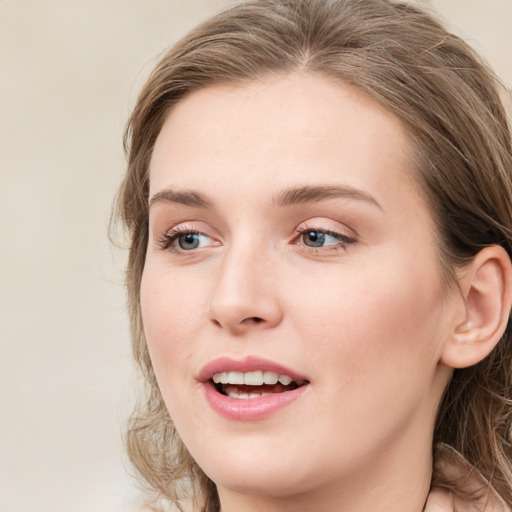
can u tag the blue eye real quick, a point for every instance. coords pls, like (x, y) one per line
(316, 238)
(177, 240)
(321, 241)
(189, 241)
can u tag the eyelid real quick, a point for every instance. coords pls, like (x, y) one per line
(328, 226)
(169, 236)
(343, 234)
(343, 240)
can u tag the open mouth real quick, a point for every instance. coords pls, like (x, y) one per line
(255, 384)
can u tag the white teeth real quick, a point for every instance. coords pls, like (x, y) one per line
(246, 396)
(220, 377)
(270, 377)
(235, 378)
(253, 378)
(256, 378)
(284, 380)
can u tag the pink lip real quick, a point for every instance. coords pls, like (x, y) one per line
(252, 409)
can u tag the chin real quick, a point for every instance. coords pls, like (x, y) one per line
(273, 483)
(260, 471)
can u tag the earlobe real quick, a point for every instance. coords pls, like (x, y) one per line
(486, 285)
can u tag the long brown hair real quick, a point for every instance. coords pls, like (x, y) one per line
(449, 100)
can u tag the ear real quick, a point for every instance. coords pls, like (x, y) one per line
(479, 324)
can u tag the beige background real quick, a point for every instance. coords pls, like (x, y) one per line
(69, 73)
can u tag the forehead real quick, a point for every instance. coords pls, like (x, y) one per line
(299, 126)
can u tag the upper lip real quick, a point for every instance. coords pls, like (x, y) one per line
(247, 364)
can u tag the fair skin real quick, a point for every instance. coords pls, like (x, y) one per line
(338, 282)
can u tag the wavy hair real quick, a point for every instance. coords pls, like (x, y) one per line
(448, 98)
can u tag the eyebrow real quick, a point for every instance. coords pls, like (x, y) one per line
(288, 197)
(307, 194)
(185, 197)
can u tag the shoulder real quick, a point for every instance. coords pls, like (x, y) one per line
(481, 497)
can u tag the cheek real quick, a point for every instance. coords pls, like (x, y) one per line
(374, 321)
(170, 317)
(371, 341)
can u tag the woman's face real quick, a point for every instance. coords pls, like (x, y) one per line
(288, 240)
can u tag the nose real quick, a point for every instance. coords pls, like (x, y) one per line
(246, 295)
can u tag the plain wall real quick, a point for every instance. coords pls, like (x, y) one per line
(69, 74)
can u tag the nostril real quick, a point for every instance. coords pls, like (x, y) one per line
(245, 321)
(253, 319)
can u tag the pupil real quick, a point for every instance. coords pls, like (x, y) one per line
(315, 239)
(189, 241)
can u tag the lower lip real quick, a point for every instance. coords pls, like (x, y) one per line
(251, 409)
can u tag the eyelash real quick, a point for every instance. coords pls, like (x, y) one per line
(169, 238)
(343, 240)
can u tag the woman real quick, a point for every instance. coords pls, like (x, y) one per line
(319, 200)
